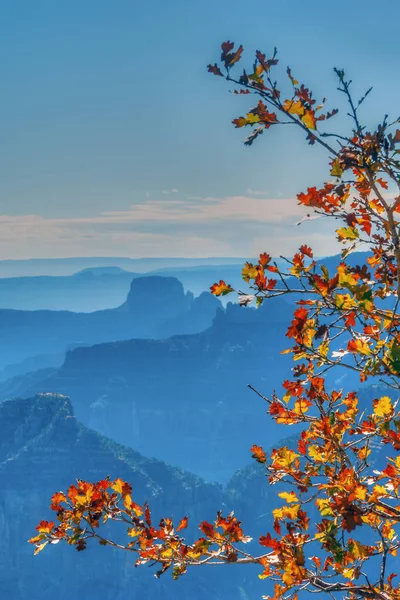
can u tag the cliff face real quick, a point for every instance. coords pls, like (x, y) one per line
(184, 399)
(156, 307)
(43, 449)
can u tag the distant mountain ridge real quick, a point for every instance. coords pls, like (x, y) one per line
(184, 398)
(191, 388)
(69, 266)
(99, 287)
(156, 307)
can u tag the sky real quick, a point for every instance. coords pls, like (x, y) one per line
(115, 141)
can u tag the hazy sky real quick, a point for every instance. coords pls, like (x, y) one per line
(116, 141)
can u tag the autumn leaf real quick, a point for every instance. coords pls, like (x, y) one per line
(249, 271)
(336, 170)
(264, 259)
(45, 526)
(288, 496)
(221, 288)
(230, 58)
(207, 529)
(56, 500)
(294, 107)
(383, 407)
(258, 453)
(304, 249)
(309, 120)
(347, 233)
(240, 122)
(214, 69)
(183, 523)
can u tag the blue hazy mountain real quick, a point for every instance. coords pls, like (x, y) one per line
(180, 391)
(69, 266)
(43, 449)
(99, 288)
(156, 307)
(181, 399)
(86, 291)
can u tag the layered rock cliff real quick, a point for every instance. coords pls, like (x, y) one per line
(156, 307)
(184, 399)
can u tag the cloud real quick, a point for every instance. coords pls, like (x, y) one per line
(228, 226)
(243, 208)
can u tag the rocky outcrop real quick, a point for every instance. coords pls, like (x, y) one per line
(43, 448)
(156, 307)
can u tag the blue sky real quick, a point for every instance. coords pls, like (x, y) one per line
(116, 141)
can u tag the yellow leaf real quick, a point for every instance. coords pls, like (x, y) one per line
(118, 485)
(309, 119)
(252, 118)
(294, 107)
(316, 453)
(383, 407)
(344, 302)
(377, 206)
(323, 349)
(301, 406)
(284, 457)
(363, 453)
(249, 271)
(347, 233)
(349, 573)
(346, 278)
(134, 532)
(357, 550)
(288, 496)
(324, 507)
(359, 492)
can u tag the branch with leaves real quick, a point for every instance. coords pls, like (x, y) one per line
(336, 529)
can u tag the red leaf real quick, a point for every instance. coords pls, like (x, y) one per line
(214, 69)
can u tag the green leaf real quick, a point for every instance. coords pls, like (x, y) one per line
(347, 233)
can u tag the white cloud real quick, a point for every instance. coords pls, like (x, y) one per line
(243, 208)
(228, 226)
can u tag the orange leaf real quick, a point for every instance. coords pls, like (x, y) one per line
(221, 288)
(45, 526)
(183, 523)
(258, 453)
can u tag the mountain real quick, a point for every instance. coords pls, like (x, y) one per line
(69, 266)
(155, 307)
(182, 399)
(99, 288)
(185, 398)
(43, 448)
(86, 291)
